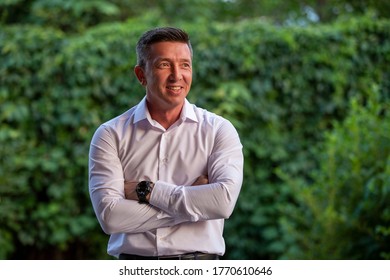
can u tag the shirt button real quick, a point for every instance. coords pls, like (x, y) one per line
(165, 160)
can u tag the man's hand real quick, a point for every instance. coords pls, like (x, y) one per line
(130, 190)
(130, 186)
(201, 180)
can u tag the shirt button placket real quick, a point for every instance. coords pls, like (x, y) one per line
(163, 159)
(162, 174)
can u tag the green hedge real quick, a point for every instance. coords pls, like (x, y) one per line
(344, 212)
(285, 89)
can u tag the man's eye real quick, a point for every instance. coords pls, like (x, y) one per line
(164, 65)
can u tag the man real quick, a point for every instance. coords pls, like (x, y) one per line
(164, 175)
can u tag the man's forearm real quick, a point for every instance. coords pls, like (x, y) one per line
(131, 194)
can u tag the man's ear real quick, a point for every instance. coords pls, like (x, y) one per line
(139, 73)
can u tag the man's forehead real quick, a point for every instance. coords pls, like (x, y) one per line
(169, 47)
(170, 51)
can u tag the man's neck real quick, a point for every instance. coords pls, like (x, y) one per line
(165, 118)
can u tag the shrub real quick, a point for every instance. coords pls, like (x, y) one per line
(344, 213)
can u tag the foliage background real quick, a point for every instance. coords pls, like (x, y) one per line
(305, 83)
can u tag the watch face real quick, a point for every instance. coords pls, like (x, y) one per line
(142, 187)
(142, 190)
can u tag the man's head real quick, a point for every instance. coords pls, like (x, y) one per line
(165, 68)
(161, 34)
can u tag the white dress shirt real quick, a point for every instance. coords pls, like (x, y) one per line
(180, 218)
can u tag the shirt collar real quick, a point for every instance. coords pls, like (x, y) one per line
(188, 112)
(142, 112)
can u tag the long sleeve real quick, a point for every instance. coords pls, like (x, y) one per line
(114, 212)
(212, 201)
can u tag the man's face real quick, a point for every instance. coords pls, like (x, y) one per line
(168, 75)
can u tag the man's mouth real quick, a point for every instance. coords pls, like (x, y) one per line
(174, 88)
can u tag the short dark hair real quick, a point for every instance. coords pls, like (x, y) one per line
(160, 34)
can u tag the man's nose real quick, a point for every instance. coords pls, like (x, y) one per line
(176, 74)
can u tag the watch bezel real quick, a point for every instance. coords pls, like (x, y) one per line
(143, 189)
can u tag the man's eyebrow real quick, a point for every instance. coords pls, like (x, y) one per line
(169, 59)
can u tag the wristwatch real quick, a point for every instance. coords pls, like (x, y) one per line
(143, 189)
